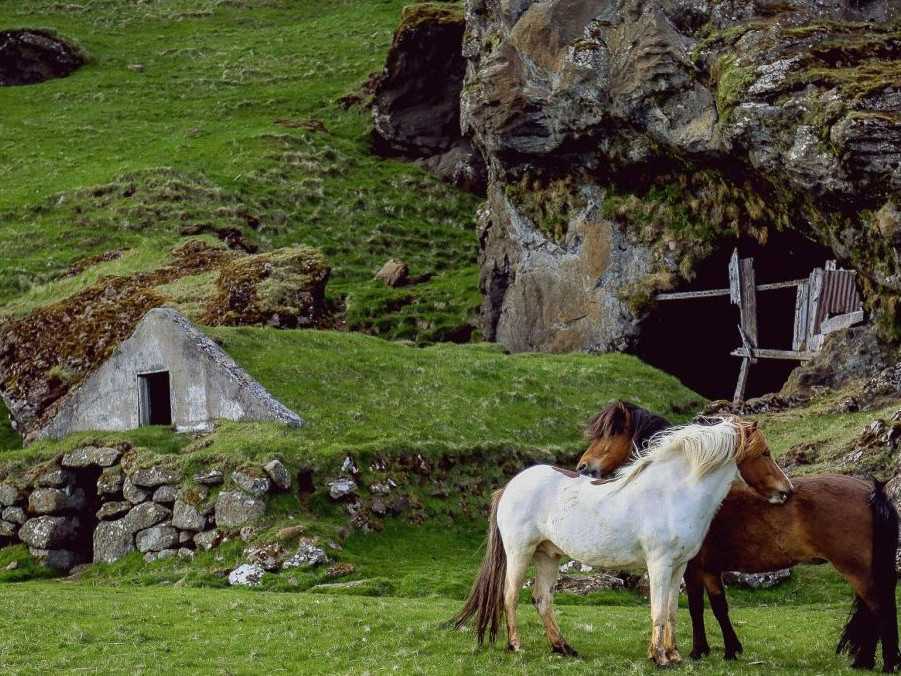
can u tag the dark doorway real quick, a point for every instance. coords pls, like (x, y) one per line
(156, 405)
(692, 339)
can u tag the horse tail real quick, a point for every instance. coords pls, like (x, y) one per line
(862, 623)
(486, 599)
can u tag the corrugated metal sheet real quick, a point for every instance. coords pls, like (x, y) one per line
(839, 294)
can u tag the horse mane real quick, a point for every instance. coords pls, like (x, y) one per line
(624, 417)
(707, 447)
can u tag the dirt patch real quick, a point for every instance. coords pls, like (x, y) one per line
(33, 56)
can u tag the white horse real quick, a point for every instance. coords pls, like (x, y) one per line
(653, 515)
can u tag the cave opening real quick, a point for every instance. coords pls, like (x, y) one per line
(692, 338)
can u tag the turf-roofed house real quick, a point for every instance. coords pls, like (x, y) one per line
(166, 373)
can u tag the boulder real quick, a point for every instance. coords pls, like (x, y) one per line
(7, 530)
(91, 456)
(308, 555)
(187, 517)
(185, 553)
(132, 493)
(31, 56)
(113, 510)
(55, 478)
(14, 515)
(145, 515)
(393, 273)
(55, 500)
(757, 580)
(110, 481)
(153, 477)
(235, 508)
(340, 488)
(9, 494)
(165, 494)
(112, 541)
(251, 483)
(279, 474)
(246, 575)
(156, 539)
(416, 103)
(49, 532)
(268, 556)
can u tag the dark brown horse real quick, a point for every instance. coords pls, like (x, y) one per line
(842, 520)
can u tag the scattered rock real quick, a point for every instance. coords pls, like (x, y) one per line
(136, 67)
(212, 478)
(7, 529)
(268, 556)
(165, 494)
(307, 556)
(380, 488)
(235, 509)
(110, 481)
(588, 584)
(757, 580)
(340, 488)
(156, 539)
(185, 537)
(91, 456)
(55, 500)
(394, 273)
(55, 478)
(250, 483)
(12, 565)
(289, 533)
(247, 533)
(185, 553)
(340, 570)
(14, 515)
(379, 507)
(49, 532)
(132, 493)
(574, 566)
(279, 474)
(155, 476)
(207, 540)
(246, 575)
(9, 494)
(187, 517)
(110, 511)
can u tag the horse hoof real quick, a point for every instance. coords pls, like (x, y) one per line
(674, 656)
(660, 659)
(565, 649)
(699, 653)
(731, 656)
(514, 647)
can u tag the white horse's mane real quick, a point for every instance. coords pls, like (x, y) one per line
(707, 448)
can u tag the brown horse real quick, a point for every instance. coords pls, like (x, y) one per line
(842, 520)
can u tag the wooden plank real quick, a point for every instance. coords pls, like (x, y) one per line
(742, 383)
(841, 322)
(830, 265)
(749, 349)
(780, 285)
(799, 338)
(734, 286)
(682, 295)
(748, 305)
(764, 353)
(814, 296)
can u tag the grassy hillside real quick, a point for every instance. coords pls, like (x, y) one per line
(220, 115)
(359, 393)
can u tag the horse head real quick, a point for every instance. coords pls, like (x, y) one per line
(614, 434)
(756, 464)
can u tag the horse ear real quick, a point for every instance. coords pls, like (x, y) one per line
(752, 426)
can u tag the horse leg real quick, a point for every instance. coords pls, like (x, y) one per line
(866, 625)
(717, 595)
(694, 586)
(517, 564)
(669, 638)
(661, 577)
(547, 568)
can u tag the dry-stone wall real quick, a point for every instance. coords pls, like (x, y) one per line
(96, 504)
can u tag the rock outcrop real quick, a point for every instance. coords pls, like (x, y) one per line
(416, 104)
(33, 56)
(628, 140)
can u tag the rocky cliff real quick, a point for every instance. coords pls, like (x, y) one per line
(628, 141)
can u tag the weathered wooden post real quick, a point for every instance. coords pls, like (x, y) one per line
(743, 292)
